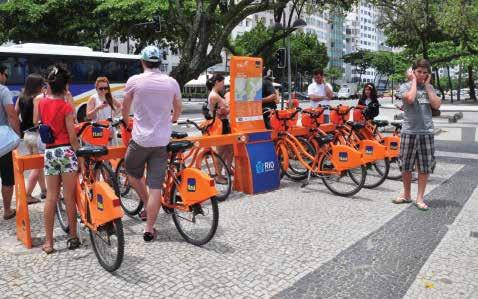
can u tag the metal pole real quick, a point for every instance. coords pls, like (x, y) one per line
(289, 79)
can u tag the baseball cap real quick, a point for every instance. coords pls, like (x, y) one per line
(151, 54)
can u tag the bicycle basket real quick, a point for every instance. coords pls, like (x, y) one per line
(278, 124)
(358, 114)
(311, 121)
(96, 135)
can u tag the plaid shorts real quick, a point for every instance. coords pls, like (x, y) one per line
(417, 150)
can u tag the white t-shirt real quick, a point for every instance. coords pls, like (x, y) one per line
(104, 113)
(318, 90)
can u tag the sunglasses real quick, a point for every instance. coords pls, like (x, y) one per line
(103, 88)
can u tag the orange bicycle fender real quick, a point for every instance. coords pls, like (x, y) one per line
(344, 157)
(105, 205)
(196, 186)
(372, 150)
(392, 143)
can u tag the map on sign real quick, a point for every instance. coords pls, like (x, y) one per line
(248, 89)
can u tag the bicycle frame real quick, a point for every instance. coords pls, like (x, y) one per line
(193, 185)
(96, 201)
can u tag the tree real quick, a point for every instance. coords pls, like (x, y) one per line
(54, 21)
(361, 60)
(333, 73)
(307, 53)
(199, 30)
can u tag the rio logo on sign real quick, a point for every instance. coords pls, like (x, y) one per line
(262, 167)
(343, 156)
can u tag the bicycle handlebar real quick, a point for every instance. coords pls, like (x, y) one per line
(297, 110)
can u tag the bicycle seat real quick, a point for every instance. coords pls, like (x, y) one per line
(91, 151)
(179, 146)
(179, 135)
(380, 123)
(355, 125)
(325, 139)
(397, 125)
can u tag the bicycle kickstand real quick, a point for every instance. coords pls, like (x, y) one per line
(307, 181)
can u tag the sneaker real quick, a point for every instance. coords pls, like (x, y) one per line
(142, 215)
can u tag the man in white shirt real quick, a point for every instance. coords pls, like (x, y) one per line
(320, 93)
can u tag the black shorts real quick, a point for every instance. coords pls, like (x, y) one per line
(226, 127)
(6, 170)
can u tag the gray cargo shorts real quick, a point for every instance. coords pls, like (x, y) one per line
(155, 159)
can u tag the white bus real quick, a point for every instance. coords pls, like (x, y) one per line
(84, 64)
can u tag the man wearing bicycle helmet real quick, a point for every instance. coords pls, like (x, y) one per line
(154, 96)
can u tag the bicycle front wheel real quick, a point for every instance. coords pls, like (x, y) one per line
(298, 171)
(198, 225)
(129, 199)
(377, 173)
(108, 244)
(343, 183)
(213, 165)
(395, 172)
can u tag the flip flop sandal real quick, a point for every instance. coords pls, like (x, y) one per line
(73, 243)
(7, 217)
(400, 200)
(142, 215)
(48, 249)
(421, 206)
(32, 200)
(149, 237)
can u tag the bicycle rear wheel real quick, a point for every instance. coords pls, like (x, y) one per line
(395, 172)
(108, 244)
(129, 199)
(213, 165)
(61, 215)
(198, 225)
(297, 171)
(342, 183)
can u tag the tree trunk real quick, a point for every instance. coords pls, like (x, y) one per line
(450, 83)
(471, 83)
(458, 95)
(440, 88)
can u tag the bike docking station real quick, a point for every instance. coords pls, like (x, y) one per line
(256, 163)
(24, 163)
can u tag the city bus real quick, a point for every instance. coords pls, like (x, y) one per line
(84, 64)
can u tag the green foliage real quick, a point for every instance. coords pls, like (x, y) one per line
(55, 21)
(361, 59)
(307, 53)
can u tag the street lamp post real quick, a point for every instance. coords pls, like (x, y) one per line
(298, 23)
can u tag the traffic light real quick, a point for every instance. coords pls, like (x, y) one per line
(280, 57)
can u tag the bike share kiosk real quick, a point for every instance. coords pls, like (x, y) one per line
(256, 164)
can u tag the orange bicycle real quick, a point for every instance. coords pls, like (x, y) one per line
(189, 195)
(332, 163)
(209, 161)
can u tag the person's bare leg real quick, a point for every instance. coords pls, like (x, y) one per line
(407, 183)
(7, 194)
(53, 183)
(422, 185)
(152, 209)
(32, 181)
(139, 186)
(69, 193)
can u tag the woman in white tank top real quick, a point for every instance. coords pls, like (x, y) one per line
(102, 105)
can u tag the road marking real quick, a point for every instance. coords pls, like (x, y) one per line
(456, 155)
(451, 134)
